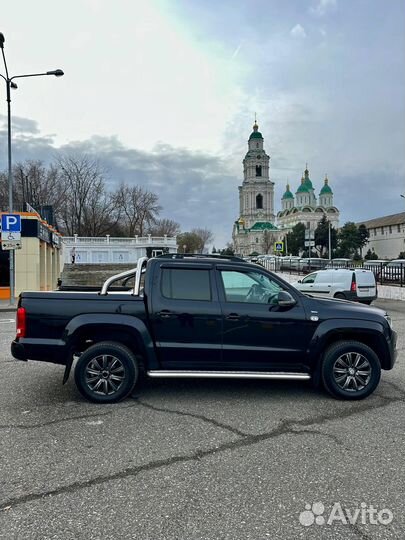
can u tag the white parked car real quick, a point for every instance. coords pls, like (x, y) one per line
(358, 285)
(340, 263)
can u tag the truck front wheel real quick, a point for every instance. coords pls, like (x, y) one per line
(106, 372)
(350, 370)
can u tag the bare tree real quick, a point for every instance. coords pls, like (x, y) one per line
(88, 210)
(34, 183)
(138, 207)
(164, 226)
(205, 236)
(39, 185)
(3, 192)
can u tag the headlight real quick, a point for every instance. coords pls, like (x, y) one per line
(389, 320)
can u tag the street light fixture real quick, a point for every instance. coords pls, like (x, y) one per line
(11, 84)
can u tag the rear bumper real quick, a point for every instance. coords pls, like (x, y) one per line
(366, 299)
(354, 297)
(44, 350)
(18, 351)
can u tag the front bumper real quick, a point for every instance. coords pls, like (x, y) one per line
(392, 347)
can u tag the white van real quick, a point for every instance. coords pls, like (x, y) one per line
(358, 285)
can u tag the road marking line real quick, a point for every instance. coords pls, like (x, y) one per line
(94, 422)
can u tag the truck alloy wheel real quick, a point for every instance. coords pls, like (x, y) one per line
(350, 370)
(106, 372)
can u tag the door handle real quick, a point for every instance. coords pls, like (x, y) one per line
(232, 317)
(165, 314)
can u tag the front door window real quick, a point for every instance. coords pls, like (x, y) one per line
(250, 287)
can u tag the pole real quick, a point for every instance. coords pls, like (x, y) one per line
(330, 242)
(11, 84)
(10, 191)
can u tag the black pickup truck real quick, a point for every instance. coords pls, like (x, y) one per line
(203, 316)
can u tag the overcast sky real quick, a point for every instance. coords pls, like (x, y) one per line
(164, 93)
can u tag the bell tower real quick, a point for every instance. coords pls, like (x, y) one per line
(256, 194)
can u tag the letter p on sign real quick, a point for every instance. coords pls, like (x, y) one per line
(11, 223)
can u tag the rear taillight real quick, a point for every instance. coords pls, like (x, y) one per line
(21, 322)
(353, 287)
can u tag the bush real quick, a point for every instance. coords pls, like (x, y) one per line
(371, 255)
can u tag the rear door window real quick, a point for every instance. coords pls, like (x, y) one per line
(186, 284)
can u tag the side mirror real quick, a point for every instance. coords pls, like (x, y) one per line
(299, 281)
(285, 299)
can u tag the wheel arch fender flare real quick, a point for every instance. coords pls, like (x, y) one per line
(340, 329)
(127, 323)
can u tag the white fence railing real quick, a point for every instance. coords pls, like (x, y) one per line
(112, 250)
(137, 240)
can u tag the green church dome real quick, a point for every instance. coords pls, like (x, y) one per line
(326, 190)
(255, 133)
(303, 187)
(288, 194)
(307, 180)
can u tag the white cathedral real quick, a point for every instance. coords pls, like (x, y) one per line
(256, 227)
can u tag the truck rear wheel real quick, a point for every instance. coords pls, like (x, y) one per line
(106, 372)
(350, 370)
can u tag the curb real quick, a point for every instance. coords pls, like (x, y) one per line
(6, 308)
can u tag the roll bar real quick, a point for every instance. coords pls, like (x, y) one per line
(137, 272)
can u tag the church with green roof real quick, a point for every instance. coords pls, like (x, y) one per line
(256, 229)
(305, 207)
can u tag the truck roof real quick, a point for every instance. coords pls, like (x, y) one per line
(203, 257)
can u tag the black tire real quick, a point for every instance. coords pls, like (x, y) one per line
(340, 295)
(106, 372)
(355, 355)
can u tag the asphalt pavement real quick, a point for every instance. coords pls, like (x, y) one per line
(194, 460)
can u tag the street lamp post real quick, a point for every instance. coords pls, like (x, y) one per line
(11, 84)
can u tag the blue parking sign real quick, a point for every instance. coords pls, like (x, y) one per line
(11, 222)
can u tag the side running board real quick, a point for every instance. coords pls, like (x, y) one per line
(228, 374)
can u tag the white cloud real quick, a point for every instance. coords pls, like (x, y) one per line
(298, 31)
(322, 7)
